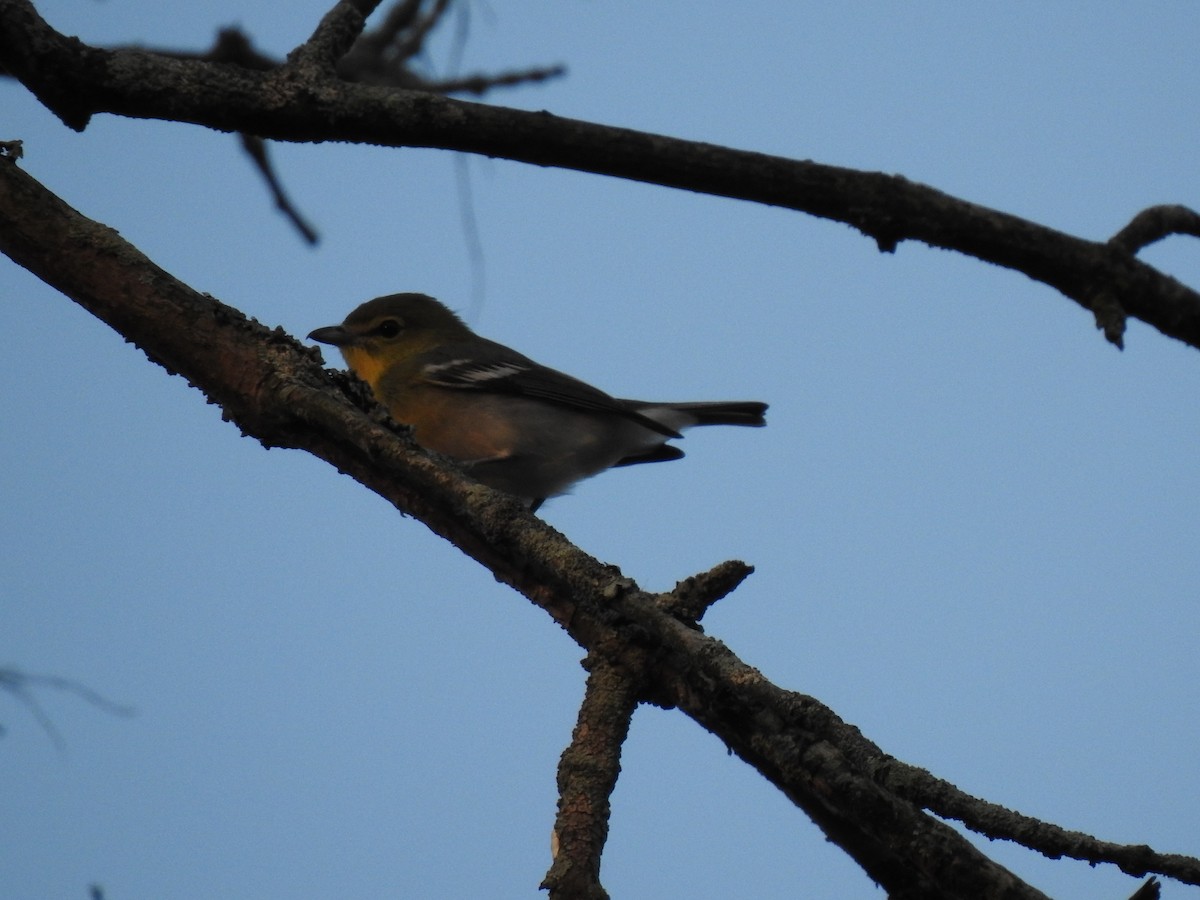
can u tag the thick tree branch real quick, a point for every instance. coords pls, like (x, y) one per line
(77, 81)
(275, 390)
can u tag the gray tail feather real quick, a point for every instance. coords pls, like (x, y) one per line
(731, 412)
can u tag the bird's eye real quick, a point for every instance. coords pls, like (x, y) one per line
(388, 328)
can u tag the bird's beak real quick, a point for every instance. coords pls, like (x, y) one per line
(332, 334)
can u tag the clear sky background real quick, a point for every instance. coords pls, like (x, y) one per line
(974, 522)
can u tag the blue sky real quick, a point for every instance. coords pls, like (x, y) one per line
(973, 521)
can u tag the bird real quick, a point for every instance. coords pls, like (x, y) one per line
(509, 422)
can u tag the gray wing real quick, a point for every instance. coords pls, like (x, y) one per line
(487, 366)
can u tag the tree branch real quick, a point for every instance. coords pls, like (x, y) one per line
(256, 149)
(77, 81)
(407, 45)
(693, 596)
(587, 774)
(275, 390)
(480, 83)
(334, 36)
(1154, 224)
(997, 823)
(21, 684)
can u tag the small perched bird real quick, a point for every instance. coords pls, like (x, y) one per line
(511, 423)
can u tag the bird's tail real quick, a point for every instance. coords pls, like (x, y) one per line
(729, 412)
(685, 415)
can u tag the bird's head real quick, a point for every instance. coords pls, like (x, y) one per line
(388, 330)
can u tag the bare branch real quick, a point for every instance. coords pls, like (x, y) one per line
(20, 685)
(256, 148)
(381, 56)
(371, 48)
(1154, 224)
(334, 36)
(587, 774)
(234, 46)
(997, 823)
(480, 84)
(76, 81)
(405, 46)
(1111, 317)
(693, 596)
(398, 19)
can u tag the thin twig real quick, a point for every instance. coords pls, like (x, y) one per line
(397, 19)
(19, 685)
(414, 41)
(693, 596)
(1154, 224)
(996, 822)
(470, 227)
(256, 148)
(480, 84)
